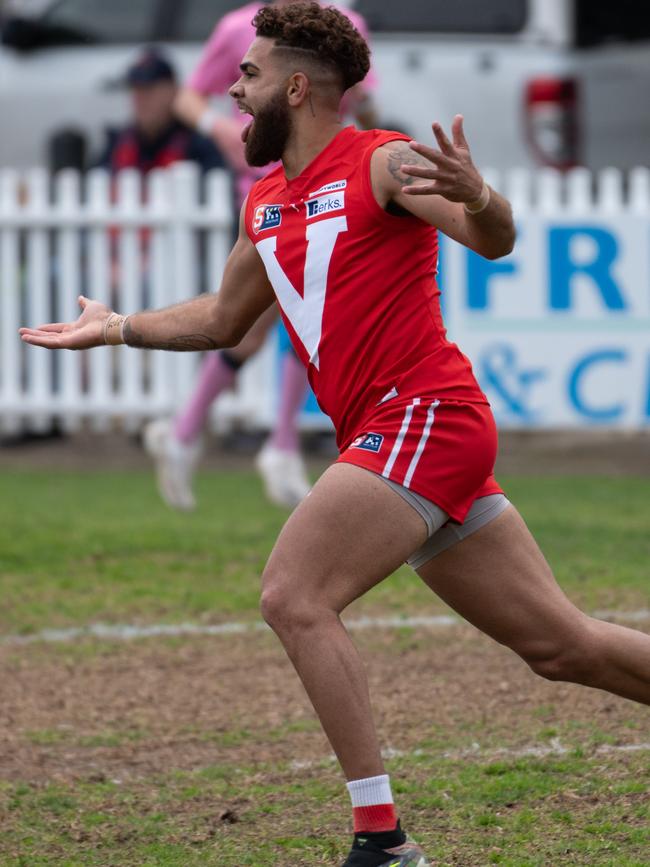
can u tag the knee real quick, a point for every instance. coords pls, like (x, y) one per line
(272, 606)
(572, 657)
(285, 610)
(555, 663)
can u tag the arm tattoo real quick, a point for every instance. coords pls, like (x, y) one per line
(184, 343)
(402, 155)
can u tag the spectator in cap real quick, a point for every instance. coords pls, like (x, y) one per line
(154, 137)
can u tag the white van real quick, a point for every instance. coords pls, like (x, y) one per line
(540, 82)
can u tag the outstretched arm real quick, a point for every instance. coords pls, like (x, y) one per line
(205, 322)
(444, 188)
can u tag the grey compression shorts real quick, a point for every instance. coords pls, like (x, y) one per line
(442, 532)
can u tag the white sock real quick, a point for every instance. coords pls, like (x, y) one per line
(372, 804)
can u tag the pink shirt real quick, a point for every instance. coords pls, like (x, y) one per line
(218, 67)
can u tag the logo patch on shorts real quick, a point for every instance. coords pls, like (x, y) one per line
(266, 217)
(370, 442)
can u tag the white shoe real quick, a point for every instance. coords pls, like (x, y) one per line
(284, 476)
(175, 464)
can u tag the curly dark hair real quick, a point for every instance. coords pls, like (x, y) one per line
(323, 31)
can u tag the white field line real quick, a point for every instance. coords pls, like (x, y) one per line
(553, 748)
(128, 632)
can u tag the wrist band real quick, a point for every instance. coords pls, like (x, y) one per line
(114, 329)
(479, 204)
(206, 122)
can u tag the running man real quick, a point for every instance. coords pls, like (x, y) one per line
(175, 444)
(344, 235)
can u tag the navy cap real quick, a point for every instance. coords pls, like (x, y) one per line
(150, 67)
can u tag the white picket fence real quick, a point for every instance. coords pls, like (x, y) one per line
(130, 244)
(132, 247)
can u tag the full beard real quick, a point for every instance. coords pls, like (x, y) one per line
(269, 132)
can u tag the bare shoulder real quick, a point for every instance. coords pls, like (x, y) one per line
(390, 158)
(386, 169)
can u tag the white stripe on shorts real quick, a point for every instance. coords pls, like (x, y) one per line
(431, 412)
(406, 421)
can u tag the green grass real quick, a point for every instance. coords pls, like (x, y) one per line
(523, 813)
(78, 548)
(81, 548)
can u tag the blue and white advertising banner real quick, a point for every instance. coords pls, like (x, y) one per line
(559, 331)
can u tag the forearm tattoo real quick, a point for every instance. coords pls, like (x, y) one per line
(402, 155)
(184, 343)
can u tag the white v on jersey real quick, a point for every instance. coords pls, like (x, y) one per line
(305, 309)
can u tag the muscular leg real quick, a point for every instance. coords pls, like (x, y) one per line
(499, 581)
(346, 536)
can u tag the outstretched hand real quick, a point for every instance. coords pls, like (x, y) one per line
(87, 331)
(452, 172)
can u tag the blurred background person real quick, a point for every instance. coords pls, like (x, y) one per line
(175, 444)
(154, 137)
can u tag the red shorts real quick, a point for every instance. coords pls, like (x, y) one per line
(443, 450)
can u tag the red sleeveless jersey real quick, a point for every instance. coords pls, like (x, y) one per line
(356, 286)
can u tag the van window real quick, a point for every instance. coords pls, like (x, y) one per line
(197, 18)
(445, 16)
(623, 21)
(102, 21)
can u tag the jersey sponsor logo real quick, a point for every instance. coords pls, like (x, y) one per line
(329, 188)
(325, 204)
(266, 217)
(370, 442)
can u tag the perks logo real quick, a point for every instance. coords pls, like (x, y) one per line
(266, 217)
(325, 204)
(370, 442)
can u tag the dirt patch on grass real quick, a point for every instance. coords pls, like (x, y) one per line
(133, 710)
